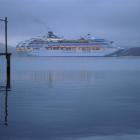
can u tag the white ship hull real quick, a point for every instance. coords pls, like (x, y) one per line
(60, 53)
(51, 45)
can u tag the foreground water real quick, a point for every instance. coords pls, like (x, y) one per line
(72, 99)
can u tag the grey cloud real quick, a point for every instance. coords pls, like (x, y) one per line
(112, 19)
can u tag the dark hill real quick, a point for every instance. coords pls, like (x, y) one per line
(131, 52)
(10, 48)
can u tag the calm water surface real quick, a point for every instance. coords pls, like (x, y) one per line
(72, 99)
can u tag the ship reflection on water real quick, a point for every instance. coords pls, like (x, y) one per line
(55, 78)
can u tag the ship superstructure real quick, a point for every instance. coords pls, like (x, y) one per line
(52, 45)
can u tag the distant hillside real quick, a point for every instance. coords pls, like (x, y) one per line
(10, 48)
(131, 52)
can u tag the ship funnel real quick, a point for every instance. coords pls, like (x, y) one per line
(89, 37)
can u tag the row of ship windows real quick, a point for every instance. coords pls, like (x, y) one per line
(73, 48)
(63, 48)
(44, 43)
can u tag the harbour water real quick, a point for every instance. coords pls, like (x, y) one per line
(72, 98)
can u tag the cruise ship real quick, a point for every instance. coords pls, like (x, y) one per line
(52, 45)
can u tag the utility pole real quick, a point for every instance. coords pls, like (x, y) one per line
(6, 50)
(8, 76)
(7, 56)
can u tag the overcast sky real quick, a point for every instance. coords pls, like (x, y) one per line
(117, 20)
